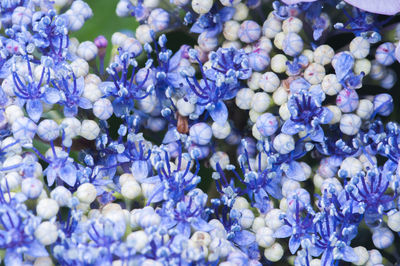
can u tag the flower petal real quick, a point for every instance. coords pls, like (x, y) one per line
(387, 7)
(220, 113)
(34, 109)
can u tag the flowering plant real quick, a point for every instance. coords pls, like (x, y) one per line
(211, 132)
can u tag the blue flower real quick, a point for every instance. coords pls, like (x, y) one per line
(306, 114)
(212, 22)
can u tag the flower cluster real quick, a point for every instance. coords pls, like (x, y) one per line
(270, 138)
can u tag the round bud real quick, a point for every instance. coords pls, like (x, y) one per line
(244, 98)
(385, 54)
(86, 193)
(314, 73)
(12, 113)
(253, 115)
(80, 67)
(24, 129)
(382, 238)
(48, 130)
(143, 34)
(246, 218)
(231, 30)
(352, 166)
(347, 100)
(378, 71)
(201, 133)
(249, 31)
(258, 223)
(271, 27)
(292, 24)
(280, 96)
(284, 112)
(158, 19)
(221, 132)
(383, 104)
(242, 12)
(375, 257)
(389, 80)
(89, 129)
(87, 50)
(259, 59)
(278, 63)
(267, 124)
(274, 253)
(46, 233)
(264, 237)
(138, 240)
(131, 189)
(44, 261)
(278, 40)
(47, 208)
(132, 46)
(61, 195)
(365, 109)
(283, 143)
(394, 221)
(71, 127)
(21, 16)
(362, 65)
(260, 102)
(350, 124)
(221, 158)
(92, 92)
(292, 44)
(201, 238)
(103, 108)
(359, 47)
(31, 187)
(185, 108)
(269, 82)
(324, 54)
(202, 6)
(330, 85)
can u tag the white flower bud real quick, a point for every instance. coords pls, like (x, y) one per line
(279, 39)
(394, 221)
(323, 54)
(118, 38)
(337, 114)
(260, 102)
(12, 180)
(244, 98)
(253, 81)
(365, 109)
(246, 218)
(11, 162)
(44, 261)
(241, 203)
(315, 262)
(362, 65)
(359, 47)
(73, 45)
(314, 73)
(289, 186)
(219, 157)
(143, 34)
(82, 9)
(75, 22)
(284, 112)
(86, 193)
(89, 129)
(231, 29)
(47, 208)
(61, 195)
(21, 16)
(125, 178)
(272, 219)
(352, 166)
(185, 108)
(138, 240)
(350, 124)
(201, 238)
(12, 113)
(71, 127)
(46, 233)
(283, 143)
(382, 238)
(254, 115)
(80, 67)
(362, 254)
(131, 45)
(375, 257)
(256, 134)
(31, 187)
(330, 85)
(378, 71)
(258, 223)
(264, 237)
(87, 50)
(278, 63)
(271, 27)
(274, 253)
(292, 24)
(103, 108)
(221, 132)
(202, 6)
(280, 96)
(48, 130)
(10, 147)
(131, 189)
(91, 92)
(269, 82)
(242, 12)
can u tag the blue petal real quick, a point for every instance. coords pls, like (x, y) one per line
(283, 232)
(84, 103)
(244, 238)
(327, 257)
(317, 134)
(172, 135)
(68, 174)
(349, 254)
(220, 113)
(295, 171)
(36, 250)
(326, 116)
(298, 85)
(70, 111)
(290, 127)
(34, 109)
(184, 228)
(140, 169)
(226, 13)
(51, 175)
(200, 225)
(343, 64)
(12, 258)
(294, 244)
(52, 96)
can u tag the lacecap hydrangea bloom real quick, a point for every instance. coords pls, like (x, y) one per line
(214, 132)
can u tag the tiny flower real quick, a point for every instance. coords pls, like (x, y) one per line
(103, 109)
(269, 82)
(383, 104)
(46, 233)
(292, 44)
(158, 19)
(385, 54)
(47, 208)
(87, 50)
(324, 54)
(350, 124)
(86, 193)
(283, 143)
(359, 47)
(89, 129)
(31, 187)
(48, 130)
(382, 237)
(347, 100)
(202, 7)
(62, 195)
(200, 133)
(249, 31)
